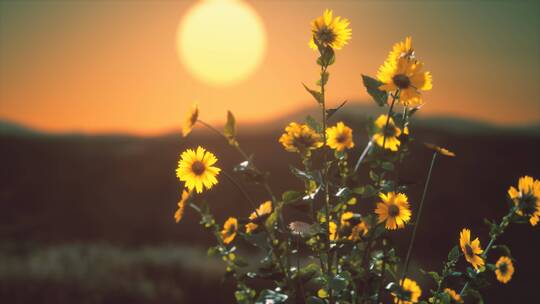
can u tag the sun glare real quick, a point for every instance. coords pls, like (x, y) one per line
(221, 42)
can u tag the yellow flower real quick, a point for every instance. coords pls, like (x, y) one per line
(527, 198)
(394, 210)
(190, 121)
(260, 214)
(402, 49)
(392, 133)
(196, 170)
(411, 292)
(339, 137)
(329, 31)
(345, 218)
(504, 269)
(359, 230)
(333, 231)
(454, 295)
(229, 230)
(181, 205)
(407, 76)
(440, 150)
(300, 138)
(471, 250)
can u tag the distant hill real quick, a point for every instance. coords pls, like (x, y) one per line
(12, 128)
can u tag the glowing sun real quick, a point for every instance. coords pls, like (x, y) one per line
(221, 42)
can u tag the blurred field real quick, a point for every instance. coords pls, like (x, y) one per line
(89, 219)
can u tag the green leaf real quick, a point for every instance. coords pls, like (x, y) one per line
(454, 254)
(388, 166)
(338, 283)
(230, 129)
(475, 294)
(324, 79)
(316, 94)
(291, 196)
(313, 124)
(434, 275)
(270, 296)
(372, 86)
(331, 112)
(366, 191)
(314, 300)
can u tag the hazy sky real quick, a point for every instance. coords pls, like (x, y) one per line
(99, 66)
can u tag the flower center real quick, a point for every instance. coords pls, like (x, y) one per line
(503, 268)
(341, 138)
(393, 210)
(198, 167)
(468, 250)
(304, 141)
(390, 131)
(528, 204)
(401, 81)
(325, 35)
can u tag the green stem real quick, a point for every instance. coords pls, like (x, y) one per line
(502, 226)
(418, 217)
(326, 185)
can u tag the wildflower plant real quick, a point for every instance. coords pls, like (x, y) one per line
(339, 249)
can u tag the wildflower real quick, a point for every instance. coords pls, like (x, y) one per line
(229, 230)
(402, 49)
(300, 138)
(190, 121)
(392, 133)
(345, 218)
(196, 170)
(440, 150)
(339, 137)
(330, 32)
(359, 230)
(181, 205)
(333, 231)
(410, 292)
(405, 75)
(394, 210)
(471, 250)
(260, 214)
(527, 198)
(504, 269)
(453, 295)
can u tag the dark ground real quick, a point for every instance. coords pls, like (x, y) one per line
(89, 219)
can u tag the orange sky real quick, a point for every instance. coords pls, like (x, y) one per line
(109, 66)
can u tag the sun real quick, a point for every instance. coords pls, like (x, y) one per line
(221, 42)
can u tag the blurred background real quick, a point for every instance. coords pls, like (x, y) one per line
(93, 94)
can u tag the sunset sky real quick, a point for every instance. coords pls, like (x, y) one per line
(114, 66)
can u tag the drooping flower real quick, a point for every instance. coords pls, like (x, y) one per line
(394, 210)
(407, 76)
(410, 292)
(259, 215)
(190, 120)
(456, 298)
(300, 138)
(440, 150)
(359, 230)
(392, 133)
(471, 250)
(230, 227)
(339, 137)
(527, 198)
(196, 170)
(330, 31)
(181, 205)
(504, 269)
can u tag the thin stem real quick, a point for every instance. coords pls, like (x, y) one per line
(302, 292)
(268, 233)
(363, 155)
(326, 190)
(383, 272)
(417, 221)
(388, 115)
(504, 223)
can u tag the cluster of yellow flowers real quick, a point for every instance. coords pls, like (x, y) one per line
(400, 77)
